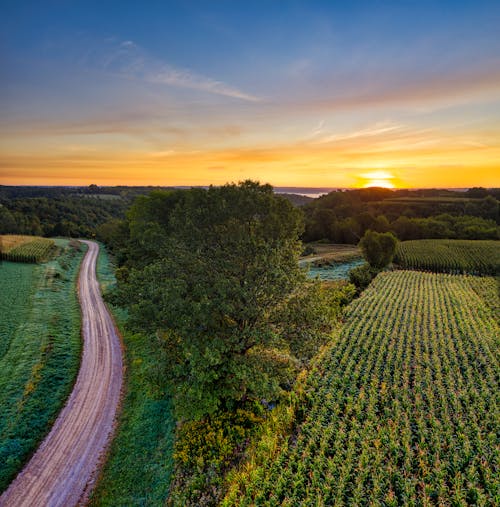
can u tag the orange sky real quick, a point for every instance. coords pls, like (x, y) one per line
(391, 155)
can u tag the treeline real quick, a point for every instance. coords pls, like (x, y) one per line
(345, 216)
(70, 216)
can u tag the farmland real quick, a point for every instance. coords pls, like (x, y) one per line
(451, 256)
(403, 407)
(19, 248)
(39, 352)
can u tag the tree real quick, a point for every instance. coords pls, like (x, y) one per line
(227, 258)
(378, 248)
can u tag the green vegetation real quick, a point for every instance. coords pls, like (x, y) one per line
(140, 461)
(235, 319)
(39, 352)
(378, 248)
(227, 257)
(345, 216)
(401, 410)
(451, 256)
(26, 249)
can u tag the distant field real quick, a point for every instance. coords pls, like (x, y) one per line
(18, 248)
(403, 409)
(39, 352)
(451, 256)
(327, 253)
(330, 261)
(427, 200)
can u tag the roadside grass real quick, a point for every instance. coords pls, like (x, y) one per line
(139, 466)
(40, 349)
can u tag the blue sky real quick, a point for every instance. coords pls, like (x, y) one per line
(87, 84)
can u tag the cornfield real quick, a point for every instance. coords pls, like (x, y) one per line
(30, 250)
(450, 256)
(403, 410)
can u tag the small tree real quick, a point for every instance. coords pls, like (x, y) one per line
(378, 248)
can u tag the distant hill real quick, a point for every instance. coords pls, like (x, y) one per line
(296, 199)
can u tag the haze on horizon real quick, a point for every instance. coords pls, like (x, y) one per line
(294, 93)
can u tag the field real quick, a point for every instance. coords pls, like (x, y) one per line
(450, 256)
(39, 352)
(140, 462)
(26, 248)
(327, 253)
(402, 409)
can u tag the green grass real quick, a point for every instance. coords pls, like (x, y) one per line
(39, 352)
(139, 467)
(402, 410)
(450, 256)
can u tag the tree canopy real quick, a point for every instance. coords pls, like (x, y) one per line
(378, 248)
(225, 258)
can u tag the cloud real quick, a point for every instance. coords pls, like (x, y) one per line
(129, 60)
(423, 92)
(376, 130)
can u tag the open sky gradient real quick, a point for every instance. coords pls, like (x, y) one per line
(311, 93)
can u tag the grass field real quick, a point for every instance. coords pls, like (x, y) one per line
(403, 408)
(327, 253)
(140, 463)
(450, 256)
(39, 352)
(29, 249)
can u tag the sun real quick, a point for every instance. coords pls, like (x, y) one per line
(379, 183)
(383, 179)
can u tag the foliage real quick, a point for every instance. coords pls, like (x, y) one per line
(26, 249)
(401, 410)
(308, 317)
(344, 216)
(361, 276)
(226, 257)
(378, 248)
(452, 256)
(39, 353)
(139, 466)
(204, 451)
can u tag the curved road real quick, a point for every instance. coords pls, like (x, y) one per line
(63, 469)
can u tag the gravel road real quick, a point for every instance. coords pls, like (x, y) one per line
(64, 468)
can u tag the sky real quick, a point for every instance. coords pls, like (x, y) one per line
(292, 93)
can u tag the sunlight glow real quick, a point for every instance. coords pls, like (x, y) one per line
(379, 183)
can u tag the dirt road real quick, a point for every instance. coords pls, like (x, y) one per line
(62, 471)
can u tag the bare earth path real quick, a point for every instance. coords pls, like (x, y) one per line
(63, 468)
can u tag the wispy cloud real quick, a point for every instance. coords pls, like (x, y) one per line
(375, 130)
(129, 60)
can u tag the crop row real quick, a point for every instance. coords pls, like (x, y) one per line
(403, 410)
(450, 256)
(38, 250)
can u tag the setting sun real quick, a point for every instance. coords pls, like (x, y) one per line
(379, 183)
(383, 179)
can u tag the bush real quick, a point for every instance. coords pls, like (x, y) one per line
(362, 276)
(378, 248)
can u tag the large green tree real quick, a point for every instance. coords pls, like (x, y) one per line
(226, 258)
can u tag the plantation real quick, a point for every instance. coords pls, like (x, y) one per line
(402, 409)
(450, 256)
(39, 352)
(26, 248)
